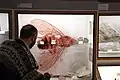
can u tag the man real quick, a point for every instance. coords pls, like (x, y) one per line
(16, 60)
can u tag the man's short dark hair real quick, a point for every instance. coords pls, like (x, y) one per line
(28, 31)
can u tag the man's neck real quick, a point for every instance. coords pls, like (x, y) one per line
(25, 41)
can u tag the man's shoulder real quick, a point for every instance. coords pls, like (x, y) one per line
(8, 42)
(8, 45)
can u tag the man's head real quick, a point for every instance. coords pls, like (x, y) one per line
(28, 34)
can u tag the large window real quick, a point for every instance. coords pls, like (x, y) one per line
(75, 29)
(5, 25)
(109, 35)
(109, 72)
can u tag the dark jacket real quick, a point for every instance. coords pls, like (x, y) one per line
(17, 62)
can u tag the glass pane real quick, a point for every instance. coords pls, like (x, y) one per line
(68, 53)
(4, 27)
(109, 36)
(109, 72)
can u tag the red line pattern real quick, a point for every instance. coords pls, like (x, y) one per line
(50, 57)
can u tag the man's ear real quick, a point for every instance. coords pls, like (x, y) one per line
(31, 38)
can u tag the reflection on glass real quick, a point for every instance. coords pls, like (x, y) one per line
(68, 53)
(4, 29)
(109, 36)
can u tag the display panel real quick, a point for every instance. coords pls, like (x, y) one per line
(112, 71)
(109, 36)
(75, 31)
(4, 26)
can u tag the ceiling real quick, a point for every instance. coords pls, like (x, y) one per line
(104, 1)
(109, 1)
